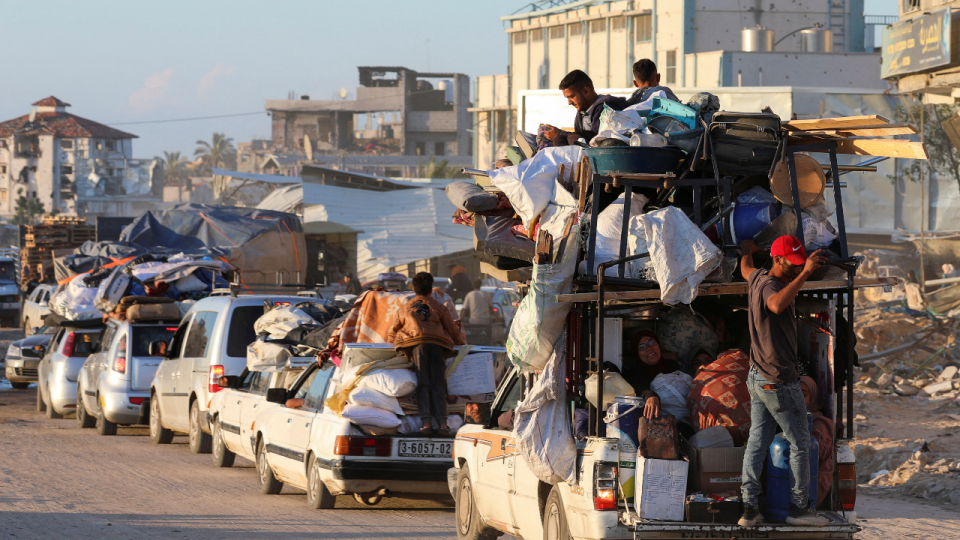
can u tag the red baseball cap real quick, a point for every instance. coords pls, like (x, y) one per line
(790, 248)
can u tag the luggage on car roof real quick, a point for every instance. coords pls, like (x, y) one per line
(153, 312)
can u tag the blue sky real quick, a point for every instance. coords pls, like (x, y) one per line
(133, 61)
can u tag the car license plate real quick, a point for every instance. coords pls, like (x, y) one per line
(425, 448)
(7, 305)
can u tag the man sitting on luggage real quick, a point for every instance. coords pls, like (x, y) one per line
(578, 88)
(477, 308)
(647, 81)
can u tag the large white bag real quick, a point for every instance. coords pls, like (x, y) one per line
(370, 416)
(613, 385)
(112, 290)
(609, 225)
(392, 382)
(673, 389)
(680, 254)
(530, 186)
(368, 397)
(280, 321)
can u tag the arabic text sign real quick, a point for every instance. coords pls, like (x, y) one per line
(916, 45)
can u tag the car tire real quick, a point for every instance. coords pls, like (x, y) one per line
(469, 523)
(51, 412)
(41, 404)
(266, 481)
(158, 433)
(200, 442)
(555, 518)
(318, 496)
(104, 427)
(84, 419)
(222, 456)
(20, 385)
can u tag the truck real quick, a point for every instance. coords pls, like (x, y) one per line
(9, 289)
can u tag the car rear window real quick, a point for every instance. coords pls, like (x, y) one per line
(241, 331)
(143, 336)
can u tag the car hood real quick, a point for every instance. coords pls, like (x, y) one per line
(38, 339)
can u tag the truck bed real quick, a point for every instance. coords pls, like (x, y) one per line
(838, 528)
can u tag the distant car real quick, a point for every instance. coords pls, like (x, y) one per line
(442, 282)
(72, 343)
(9, 293)
(115, 381)
(503, 302)
(36, 307)
(23, 359)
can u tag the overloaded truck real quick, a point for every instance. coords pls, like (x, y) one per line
(509, 471)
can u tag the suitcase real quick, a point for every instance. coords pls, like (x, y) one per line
(746, 143)
(658, 437)
(153, 312)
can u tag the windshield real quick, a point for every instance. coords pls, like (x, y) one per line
(8, 272)
(143, 336)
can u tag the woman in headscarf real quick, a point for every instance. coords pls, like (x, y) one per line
(649, 363)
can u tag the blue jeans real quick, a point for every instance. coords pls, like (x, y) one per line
(782, 405)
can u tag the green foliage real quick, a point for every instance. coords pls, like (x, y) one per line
(438, 169)
(174, 166)
(944, 157)
(28, 210)
(219, 152)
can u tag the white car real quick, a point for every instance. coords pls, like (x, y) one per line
(36, 307)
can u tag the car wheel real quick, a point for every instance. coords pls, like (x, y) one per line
(200, 442)
(20, 385)
(84, 420)
(41, 404)
(554, 518)
(158, 433)
(318, 496)
(104, 426)
(51, 413)
(469, 524)
(222, 456)
(266, 481)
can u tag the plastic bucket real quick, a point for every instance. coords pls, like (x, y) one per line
(623, 425)
(634, 159)
(750, 218)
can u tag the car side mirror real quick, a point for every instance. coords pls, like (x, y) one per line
(477, 413)
(228, 381)
(277, 395)
(157, 348)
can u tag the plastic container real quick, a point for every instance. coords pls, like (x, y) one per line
(647, 140)
(778, 475)
(623, 423)
(634, 159)
(750, 218)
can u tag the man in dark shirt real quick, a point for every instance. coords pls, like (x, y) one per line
(647, 81)
(773, 382)
(578, 88)
(351, 285)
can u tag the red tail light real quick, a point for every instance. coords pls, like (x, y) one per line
(362, 446)
(137, 400)
(847, 485)
(605, 486)
(214, 383)
(120, 364)
(68, 344)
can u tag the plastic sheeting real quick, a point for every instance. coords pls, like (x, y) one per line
(680, 254)
(280, 321)
(609, 223)
(673, 389)
(530, 186)
(542, 423)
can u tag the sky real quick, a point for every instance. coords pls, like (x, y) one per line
(126, 63)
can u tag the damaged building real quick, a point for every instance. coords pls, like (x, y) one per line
(73, 165)
(399, 119)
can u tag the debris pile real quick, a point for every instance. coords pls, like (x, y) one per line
(923, 469)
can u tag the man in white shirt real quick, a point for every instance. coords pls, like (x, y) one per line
(477, 307)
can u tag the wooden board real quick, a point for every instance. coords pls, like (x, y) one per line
(881, 130)
(870, 147)
(717, 289)
(834, 123)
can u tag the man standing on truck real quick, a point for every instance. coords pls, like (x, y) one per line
(773, 381)
(577, 87)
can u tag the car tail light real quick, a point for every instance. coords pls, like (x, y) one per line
(605, 486)
(68, 344)
(120, 364)
(214, 383)
(847, 486)
(362, 446)
(137, 400)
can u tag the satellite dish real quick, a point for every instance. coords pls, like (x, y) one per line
(33, 115)
(307, 147)
(343, 93)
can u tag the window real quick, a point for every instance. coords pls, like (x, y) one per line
(143, 336)
(108, 335)
(910, 5)
(438, 149)
(421, 148)
(99, 145)
(318, 388)
(3, 195)
(122, 347)
(244, 158)
(66, 169)
(111, 145)
(618, 23)
(576, 29)
(510, 400)
(520, 37)
(671, 67)
(66, 144)
(557, 32)
(86, 343)
(302, 390)
(241, 330)
(536, 34)
(598, 25)
(3, 168)
(260, 384)
(643, 28)
(248, 378)
(197, 344)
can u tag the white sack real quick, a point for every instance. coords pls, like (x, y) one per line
(370, 416)
(538, 322)
(112, 290)
(392, 382)
(542, 424)
(618, 124)
(681, 255)
(266, 356)
(636, 244)
(613, 385)
(530, 186)
(673, 389)
(190, 283)
(280, 321)
(368, 397)
(647, 104)
(609, 223)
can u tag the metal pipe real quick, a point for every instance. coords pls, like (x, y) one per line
(474, 172)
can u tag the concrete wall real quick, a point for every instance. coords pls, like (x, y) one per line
(733, 68)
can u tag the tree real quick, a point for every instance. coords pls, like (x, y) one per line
(175, 169)
(27, 209)
(944, 158)
(219, 152)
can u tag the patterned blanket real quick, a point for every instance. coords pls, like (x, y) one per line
(719, 395)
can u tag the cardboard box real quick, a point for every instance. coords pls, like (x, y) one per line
(661, 488)
(713, 470)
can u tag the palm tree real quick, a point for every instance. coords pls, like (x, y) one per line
(219, 152)
(174, 169)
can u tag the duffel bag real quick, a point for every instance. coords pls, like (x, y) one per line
(153, 312)
(746, 143)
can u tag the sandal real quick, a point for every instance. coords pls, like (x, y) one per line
(426, 430)
(444, 432)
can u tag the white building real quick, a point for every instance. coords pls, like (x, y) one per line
(73, 165)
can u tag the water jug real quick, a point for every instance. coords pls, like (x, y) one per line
(623, 420)
(779, 475)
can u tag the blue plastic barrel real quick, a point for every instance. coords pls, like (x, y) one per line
(779, 475)
(623, 424)
(750, 218)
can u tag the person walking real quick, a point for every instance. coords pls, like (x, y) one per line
(773, 380)
(426, 334)
(477, 307)
(351, 285)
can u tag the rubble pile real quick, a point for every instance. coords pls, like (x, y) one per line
(918, 468)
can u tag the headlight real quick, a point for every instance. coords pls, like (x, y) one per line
(13, 350)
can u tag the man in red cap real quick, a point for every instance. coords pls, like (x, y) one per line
(773, 381)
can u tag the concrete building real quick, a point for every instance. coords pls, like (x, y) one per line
(695, 44)
(399, 116)
(73, 165)
(918, 64)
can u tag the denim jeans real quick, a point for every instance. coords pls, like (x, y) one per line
(783, 405)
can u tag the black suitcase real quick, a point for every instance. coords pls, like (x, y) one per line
(746, 143)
